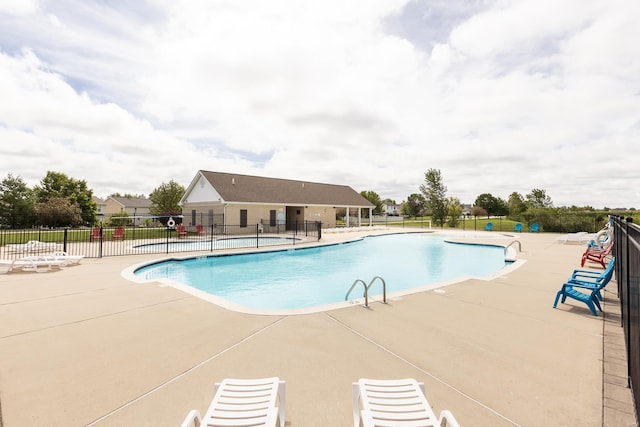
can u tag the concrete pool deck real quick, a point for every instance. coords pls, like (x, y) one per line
(84, 346)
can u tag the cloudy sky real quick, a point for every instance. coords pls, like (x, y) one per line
(500, 96)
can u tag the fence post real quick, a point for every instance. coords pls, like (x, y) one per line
(64, 242)
(101, 241)
(319, 228)
(168, 232)
(257, 235)
(213, 227)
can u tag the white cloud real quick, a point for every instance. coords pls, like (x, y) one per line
(508, 96)
(18, 7)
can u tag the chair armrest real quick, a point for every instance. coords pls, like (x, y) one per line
(582, 277)
(582, 272)
(447, 419)
(581, 284)
(367, 418)
(192, 419)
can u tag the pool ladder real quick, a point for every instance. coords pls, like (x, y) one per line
(366, 289)
(506, 249)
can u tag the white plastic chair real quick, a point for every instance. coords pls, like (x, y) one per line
(395, 403)
(243, 402)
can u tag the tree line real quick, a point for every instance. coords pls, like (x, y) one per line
(536, 206)
(62, 201)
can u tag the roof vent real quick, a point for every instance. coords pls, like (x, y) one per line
(303, 185)
(233, 181)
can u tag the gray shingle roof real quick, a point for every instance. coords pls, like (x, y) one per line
(133, 202)
(255, 189)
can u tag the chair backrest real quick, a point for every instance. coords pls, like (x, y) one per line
(534, 227)
(606, 276)
(119, 231)
(95, 232)
(517, 227)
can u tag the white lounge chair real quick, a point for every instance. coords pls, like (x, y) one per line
(33, 246)
(581, 238)
(38, 263)
(243, 402)
(66, 258)
(6, 265)
(395, 403)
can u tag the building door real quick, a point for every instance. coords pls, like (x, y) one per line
(243, 217)
(272, 218)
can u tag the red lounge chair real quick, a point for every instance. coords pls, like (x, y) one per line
(118, 233)
(95, 234)
(200, 229)
(596, 255)
(181, 231)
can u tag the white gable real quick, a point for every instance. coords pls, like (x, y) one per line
(203, 191)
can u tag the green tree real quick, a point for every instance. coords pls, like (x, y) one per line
(414, 205)
(374, 198)
(487, 202)
(517, 205)
(16, 203)
(502, 207)
(455, 211)
(57, 184)
(165, 200)
(435, 194)
(58, 212)
(538, 198)
(128, 196)
(119, 219)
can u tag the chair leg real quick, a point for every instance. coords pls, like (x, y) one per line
(282, 395)
(555, 303)
(596, 302)
(356, 404)
(591, 307)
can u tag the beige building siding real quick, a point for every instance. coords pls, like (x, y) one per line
(257, 214)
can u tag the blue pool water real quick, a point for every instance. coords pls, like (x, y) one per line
(217, 243)
(290, 279)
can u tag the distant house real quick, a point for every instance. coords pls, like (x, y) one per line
(138, 208)
(391, 209)
(102, 206)
(234, 199)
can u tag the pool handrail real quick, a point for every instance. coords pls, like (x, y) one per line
(366, 290)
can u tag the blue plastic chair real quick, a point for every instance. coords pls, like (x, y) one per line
(590, 281)
(517, 228)
(535, 228)
(488, 227)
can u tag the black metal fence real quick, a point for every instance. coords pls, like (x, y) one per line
(103, 241)
(627, 252)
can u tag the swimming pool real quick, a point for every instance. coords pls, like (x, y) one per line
(312, 277)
